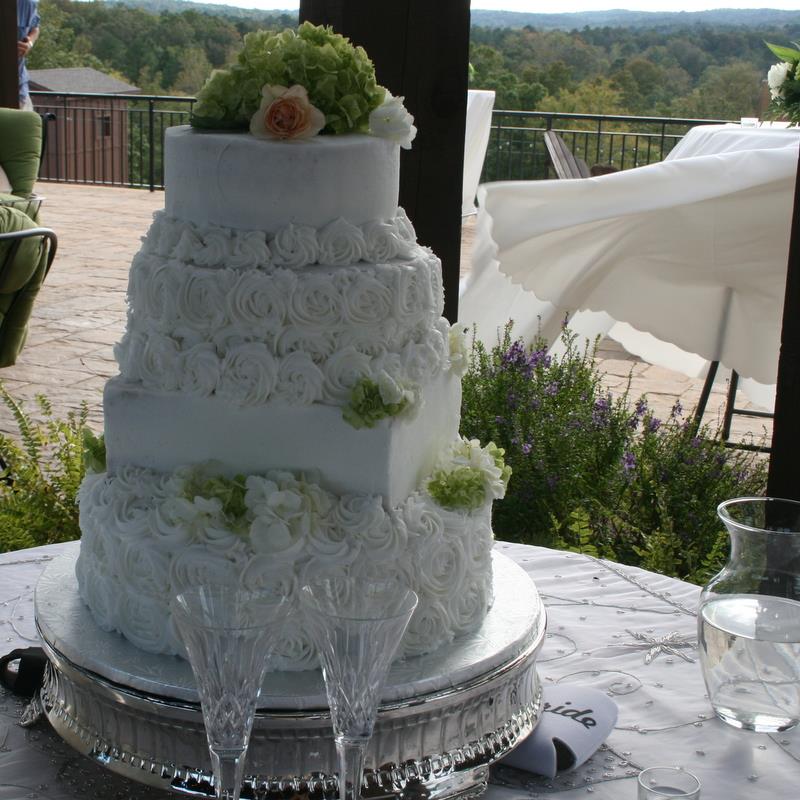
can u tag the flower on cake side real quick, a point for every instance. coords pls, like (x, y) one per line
(468, 475)
(297, 83)
(372, 401)
(784, 83)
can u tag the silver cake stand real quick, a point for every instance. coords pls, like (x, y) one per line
(444, 717)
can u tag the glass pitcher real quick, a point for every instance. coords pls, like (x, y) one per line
(749, 618)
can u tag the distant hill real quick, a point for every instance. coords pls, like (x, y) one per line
(620, 18)
(287, 17)
(614, 18)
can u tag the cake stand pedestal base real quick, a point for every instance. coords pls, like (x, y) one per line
(444, 717)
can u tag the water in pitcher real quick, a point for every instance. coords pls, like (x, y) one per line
(750, 648)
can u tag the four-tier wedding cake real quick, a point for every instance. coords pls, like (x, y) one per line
(288, 399)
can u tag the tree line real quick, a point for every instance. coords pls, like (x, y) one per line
(698, 70)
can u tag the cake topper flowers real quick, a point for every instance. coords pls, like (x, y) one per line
(286, 113)
(307, 71)
(784, 83)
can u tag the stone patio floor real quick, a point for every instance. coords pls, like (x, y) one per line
(80, 313)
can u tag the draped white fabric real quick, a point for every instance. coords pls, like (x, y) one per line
(476, 139)
(691, 250)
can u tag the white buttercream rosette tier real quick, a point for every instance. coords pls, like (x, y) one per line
(144, 539)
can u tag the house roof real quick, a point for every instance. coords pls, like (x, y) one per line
(78, 79)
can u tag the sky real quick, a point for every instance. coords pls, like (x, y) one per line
(566, 6)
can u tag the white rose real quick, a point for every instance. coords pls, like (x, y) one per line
(442, 569)
(101, 593)
(392, 121)
(158, 298)
(145, 569)
(201, 370)
(367, 301)
(254, 303)
(342, 371)
(168, 232)
(249, 250)
(188, 246)
(422, 519)
(315, 303)
(293, 651)
(382, 240)
(296, 246)
(413, 295)
(341, 243)
(144, 621)
(265, 572)
(468, 607)
(216, 249)
(248, 375)
(775, 78)
(428, 628)
(160, 362)
(200, 301)
(299, 380)
(420, 361)
(406, 233)
(197, 565)
(459, 350)
(370, 340)
(317, 344)
(170, 523)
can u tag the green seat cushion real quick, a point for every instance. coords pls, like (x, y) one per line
(20, 147)
(15, 275)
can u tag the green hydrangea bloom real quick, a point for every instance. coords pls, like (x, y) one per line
(463, 488)
(94, 452)
(229, 491)
(366, 408)
(339, 79)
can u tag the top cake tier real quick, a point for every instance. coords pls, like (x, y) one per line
(239, 181)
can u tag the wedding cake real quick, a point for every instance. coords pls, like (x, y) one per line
(288, 399)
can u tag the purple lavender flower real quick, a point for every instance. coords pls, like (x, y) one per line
(600, 411)
(654, 424)
(526, 448)
(677, 410)
(552, 388)
(641, 407)
(629, 461)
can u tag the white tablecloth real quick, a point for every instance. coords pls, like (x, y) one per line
(593, 608)
(691, 250)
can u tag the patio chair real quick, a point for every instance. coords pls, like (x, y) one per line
(26, 249)
(567, 164)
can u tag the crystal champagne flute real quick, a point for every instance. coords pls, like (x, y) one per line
(229, 634)
(357, 626)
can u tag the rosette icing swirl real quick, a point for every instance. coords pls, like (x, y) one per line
(296, 246)
(248, 376)
(341, 243)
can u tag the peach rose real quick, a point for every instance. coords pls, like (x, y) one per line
(286, 114)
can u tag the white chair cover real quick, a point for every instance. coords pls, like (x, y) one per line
(476, 139)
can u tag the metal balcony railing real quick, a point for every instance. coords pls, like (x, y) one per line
(118, 140)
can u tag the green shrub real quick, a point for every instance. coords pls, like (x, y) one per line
(39, 476)
(599, 474)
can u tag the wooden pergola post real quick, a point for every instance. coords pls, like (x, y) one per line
(421, 52)
(9, 69)
(784, 468)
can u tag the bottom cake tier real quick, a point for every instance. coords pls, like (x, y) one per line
(443, 719)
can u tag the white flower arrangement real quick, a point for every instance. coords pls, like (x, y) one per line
(391, 120)
(783, 79)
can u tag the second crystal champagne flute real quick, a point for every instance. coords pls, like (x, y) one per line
(357, 626)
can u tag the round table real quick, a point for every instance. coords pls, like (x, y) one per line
(604, 620)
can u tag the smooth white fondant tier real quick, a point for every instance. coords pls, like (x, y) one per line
(239, 181)
(166, 430)
(145, 538)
